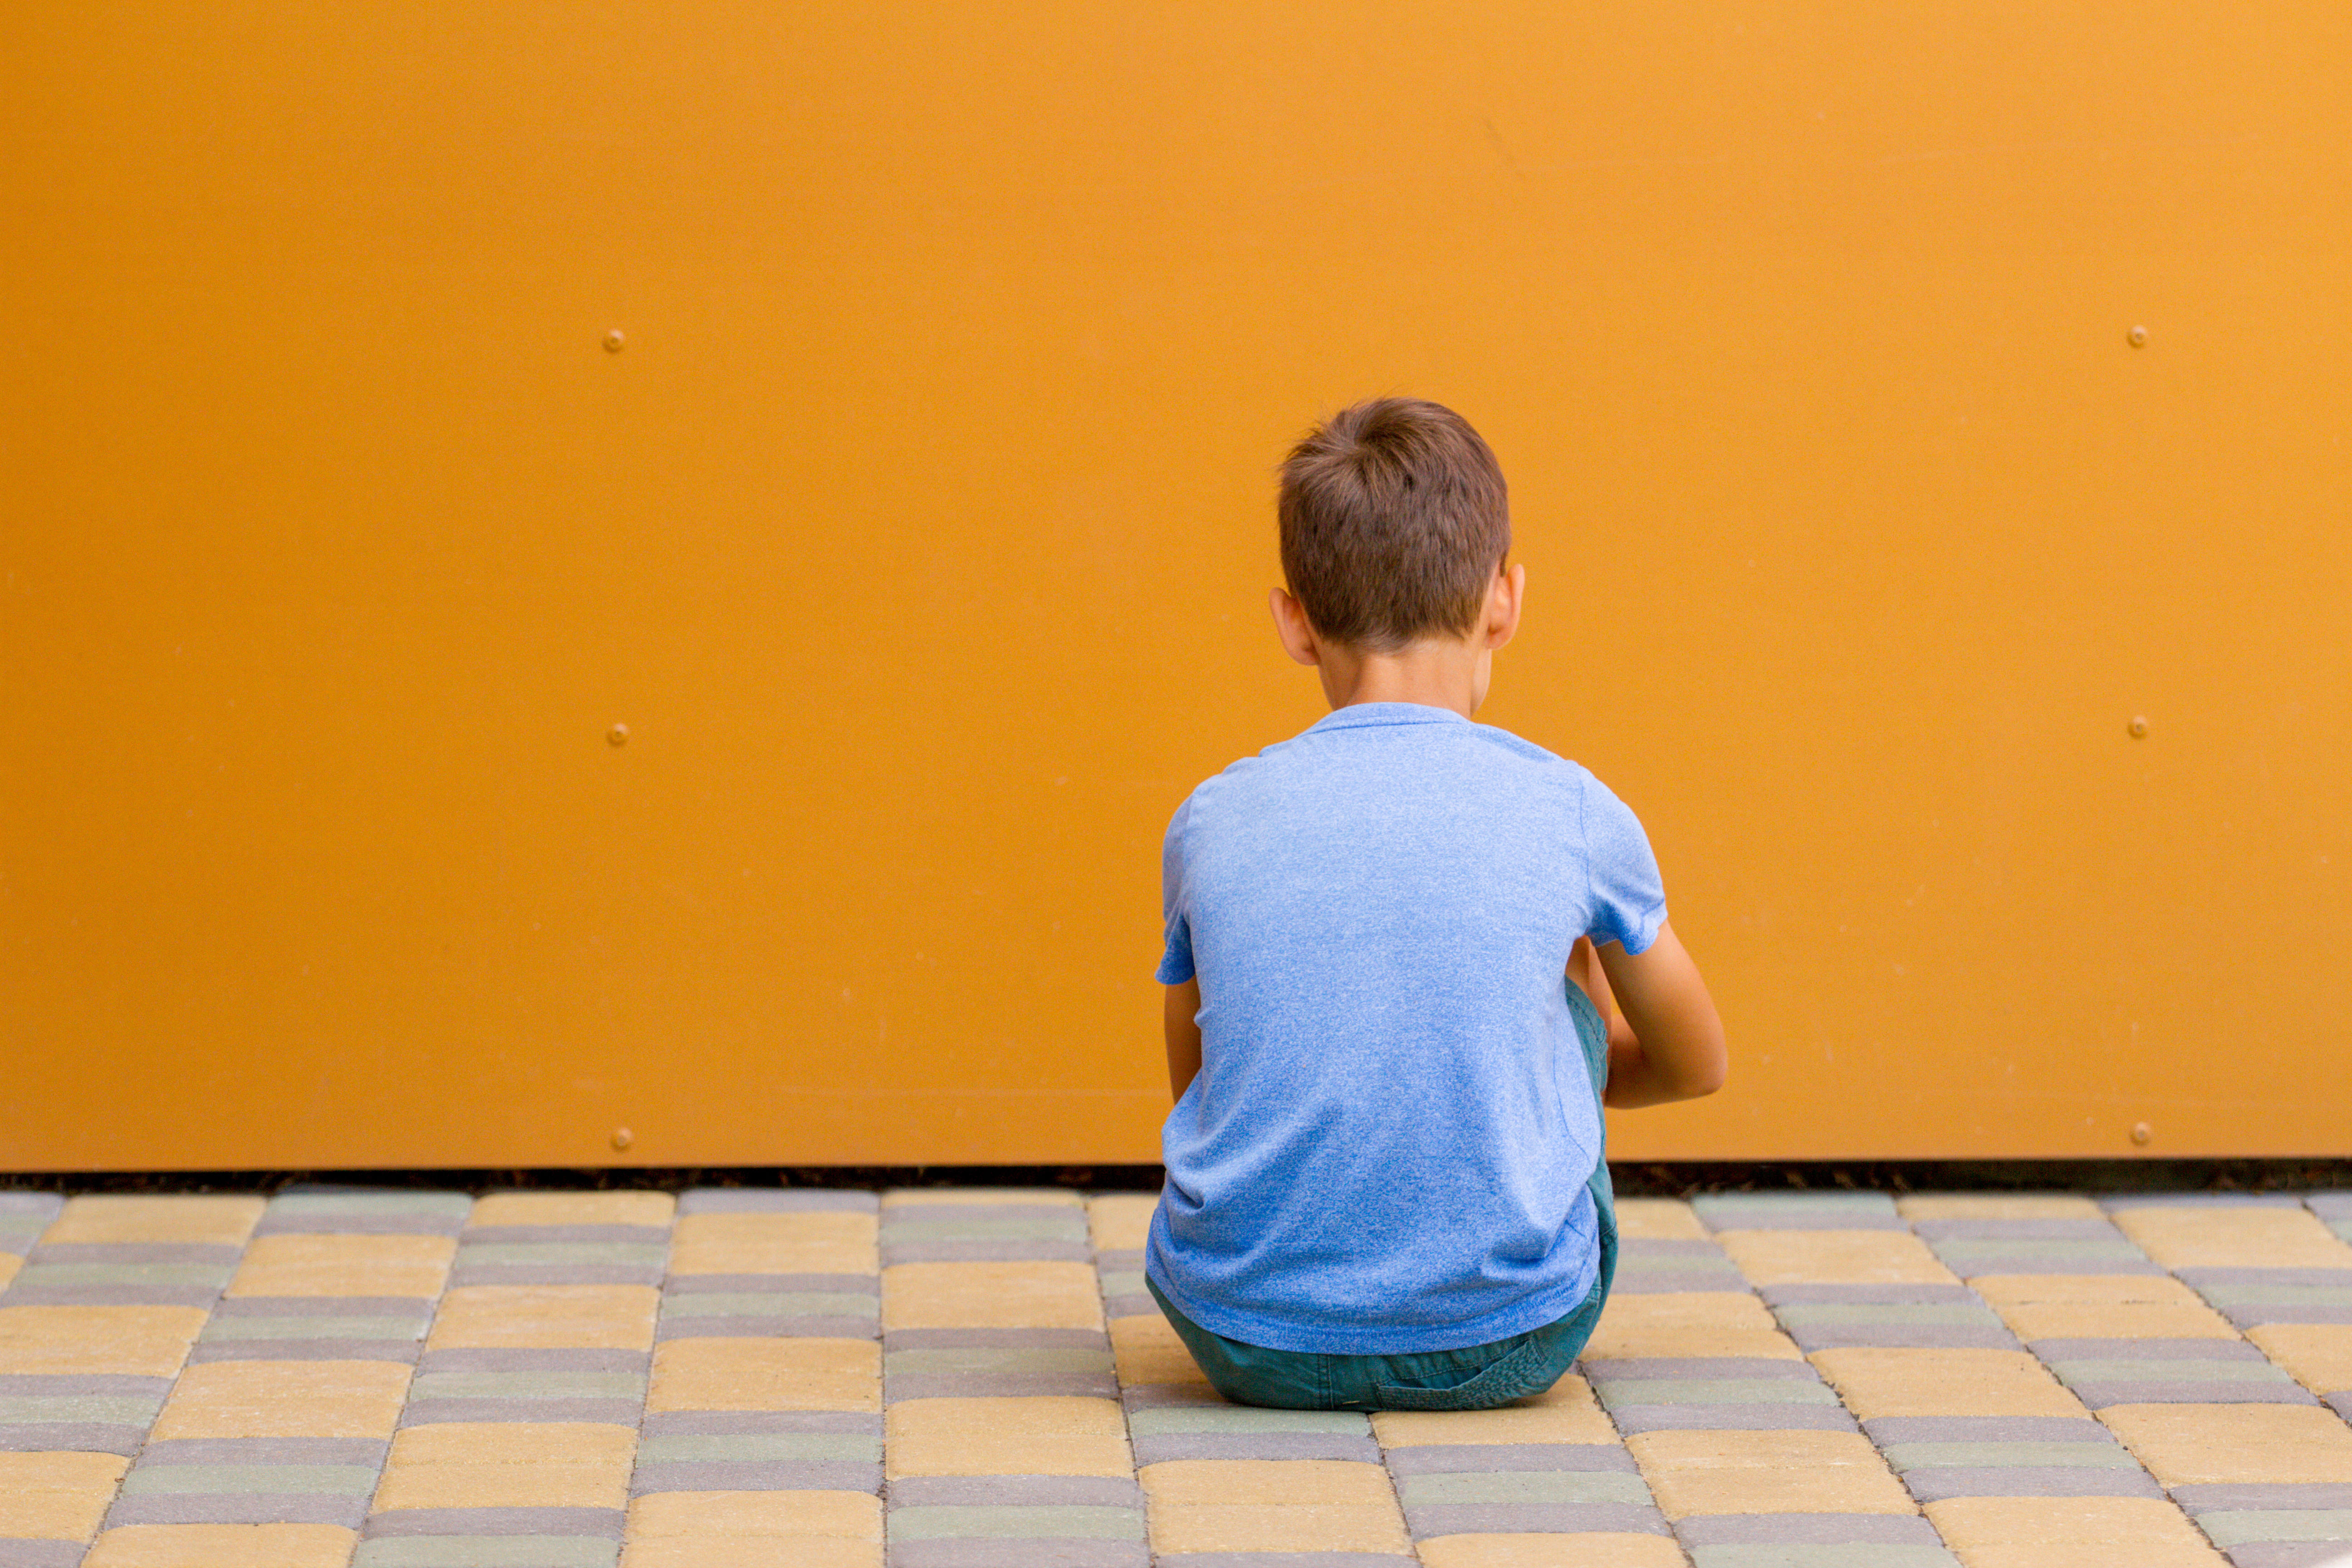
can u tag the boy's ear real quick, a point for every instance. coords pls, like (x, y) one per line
(1504, 596)
(1290, 624)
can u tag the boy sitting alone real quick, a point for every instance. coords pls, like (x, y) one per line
(1393, 944)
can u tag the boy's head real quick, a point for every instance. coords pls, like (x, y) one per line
(1394, 522)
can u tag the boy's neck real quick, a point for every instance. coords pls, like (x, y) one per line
(1436, 672)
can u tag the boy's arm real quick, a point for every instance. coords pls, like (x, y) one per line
(1184, 1031)
(1670, 1045)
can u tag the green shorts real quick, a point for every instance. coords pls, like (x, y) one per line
(1476, 1377)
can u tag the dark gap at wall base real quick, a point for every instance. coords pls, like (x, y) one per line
(1642, 1179)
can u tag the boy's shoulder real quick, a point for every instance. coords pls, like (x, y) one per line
(1456, 745)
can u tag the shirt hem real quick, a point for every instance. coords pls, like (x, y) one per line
(1532, 1312)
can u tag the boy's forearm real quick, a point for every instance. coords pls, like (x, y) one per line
(1180, 1022)
(1670, 1043)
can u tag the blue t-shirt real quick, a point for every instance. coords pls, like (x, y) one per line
(1388, 1145)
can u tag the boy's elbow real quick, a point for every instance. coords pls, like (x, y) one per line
(1702, 1072)
(1708, 1079)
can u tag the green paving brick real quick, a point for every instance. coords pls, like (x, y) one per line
(1959, 1313)
(753, 1447)
(1853, 1555)
(1122, 1282)
(2244, 1527)
(104, 1409)
(1072, 1229)
(935, 1522)
(487, 1551)
(2005, 1455)
(315, 1328)
(1953, 1249)
(212, 1275)
(1239, 1418)
(1713, 1390)
(153, 1480)
(1523, 1486)
(491, 1253)
(2151, 1369)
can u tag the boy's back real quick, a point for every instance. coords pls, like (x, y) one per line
(1383, 1190)
(1388, 1147)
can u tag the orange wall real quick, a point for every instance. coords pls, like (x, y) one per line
(920, 530)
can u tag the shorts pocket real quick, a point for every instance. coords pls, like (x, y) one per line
(1511, 1375)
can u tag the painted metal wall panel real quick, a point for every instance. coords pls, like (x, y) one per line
(918, 529)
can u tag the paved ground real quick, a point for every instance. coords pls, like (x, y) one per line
(965, 1378)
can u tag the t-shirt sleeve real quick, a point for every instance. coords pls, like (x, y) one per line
(1626, 902)
(1176, 959)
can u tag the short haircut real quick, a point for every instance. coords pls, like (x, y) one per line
(1393, 519)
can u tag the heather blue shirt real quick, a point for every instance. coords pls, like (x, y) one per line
(1387, 1147)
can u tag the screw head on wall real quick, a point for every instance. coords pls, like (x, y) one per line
(2142, 1133)
(618, 734)
(613, 339)
(623, 1137)
(2138, 726)
(2138, 336)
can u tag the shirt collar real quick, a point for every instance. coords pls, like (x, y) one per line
(1361, 715)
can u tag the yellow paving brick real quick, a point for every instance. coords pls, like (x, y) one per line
(56, 1497)
(2199, 1445)
(1876, 1382)
(575, 1208)
(821, 1243)
(219, 1221)
(748, 1552)
(546, 1317)
(1609, 1550)
(1658, 1219)
(515, 1443)
(141, 1342)
(766, 1374)
(1767, 1472)
(1688, 1323)
(1295, 1505)
(1567, 1413)
(223, 1546)
(1834, 1257)
(1996, 1205)
(2068, 1533)
(848, 1516)
(973, 1198)
(509, 1465)
(2096, 1306)
(2316, 1355)
(991, 1296)
(344, 1266)
(1121, 1222)
(1036, 1436)
(2235, 1238)
(1148, 1351)
(285, 1399)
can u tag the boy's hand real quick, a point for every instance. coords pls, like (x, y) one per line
(1669, 1045)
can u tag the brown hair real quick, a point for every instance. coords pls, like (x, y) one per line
(1393, 519)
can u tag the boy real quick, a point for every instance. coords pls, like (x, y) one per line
(1391, 946)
